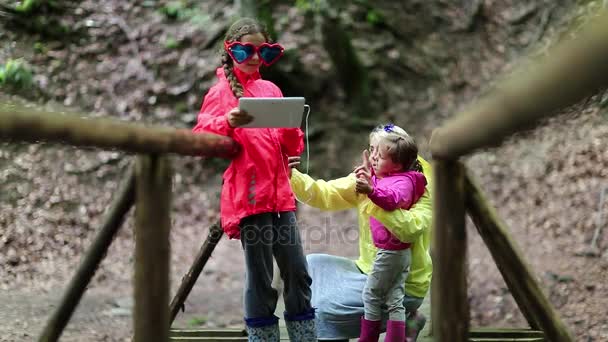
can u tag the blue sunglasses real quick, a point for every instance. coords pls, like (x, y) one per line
(242, 52)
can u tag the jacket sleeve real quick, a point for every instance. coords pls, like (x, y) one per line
(398, 194)
(406, 225)
(212, 116)
(292, 141)
(337, 194)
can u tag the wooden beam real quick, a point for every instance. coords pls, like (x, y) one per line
(517, 274)
(572, 71)
(215, 234)
(450, 305)
(115, 217)
(26, 124)
(152, 252)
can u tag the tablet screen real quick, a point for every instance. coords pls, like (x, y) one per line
(273, 112)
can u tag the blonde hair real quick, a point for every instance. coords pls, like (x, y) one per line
(400, 146)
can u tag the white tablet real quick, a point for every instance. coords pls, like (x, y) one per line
(270, 112)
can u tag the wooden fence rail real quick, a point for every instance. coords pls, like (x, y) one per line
(520, 280)
(574, 70)
(25, 124)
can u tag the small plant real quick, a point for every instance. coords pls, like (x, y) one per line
(28, 6)
(39, 47)
(310, 5)
(15, 74)
(197, 322)
(175, 10)
(374, 17)
(181, 11)
(171, 43)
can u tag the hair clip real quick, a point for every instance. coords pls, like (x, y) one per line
(388, 128)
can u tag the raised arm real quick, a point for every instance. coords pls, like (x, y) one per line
(337, 194)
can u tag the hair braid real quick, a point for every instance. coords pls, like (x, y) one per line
(235, 85)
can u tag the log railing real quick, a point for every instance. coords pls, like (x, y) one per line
(573, 70)
(147, 185)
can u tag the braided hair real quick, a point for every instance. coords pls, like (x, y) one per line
(236, 31)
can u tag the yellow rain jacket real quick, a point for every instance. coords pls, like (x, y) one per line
(413, 225)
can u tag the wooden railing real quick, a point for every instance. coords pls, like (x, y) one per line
(147, 185)
(572, 71)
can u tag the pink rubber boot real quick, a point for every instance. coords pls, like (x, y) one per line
(370, 330)
(395, 331)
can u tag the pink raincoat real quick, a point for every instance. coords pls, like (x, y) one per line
(399, 190)
(257, 180)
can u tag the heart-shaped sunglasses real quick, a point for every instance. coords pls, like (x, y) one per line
(242, 52)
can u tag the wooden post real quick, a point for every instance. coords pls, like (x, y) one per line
(115, 217)
(152, 252)
(215, 234)
(25, 124)
(517, 275)
(573, 70)
(450, 306)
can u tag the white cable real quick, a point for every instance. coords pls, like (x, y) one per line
(307, 147)
(306, 133)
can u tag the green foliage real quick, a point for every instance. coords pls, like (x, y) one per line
(171, 43)
(175, 10)
(39, 47)
(197, 321)
(28, 6)
(314, 6)
(16, 75)
(182, 11)
(374, 17)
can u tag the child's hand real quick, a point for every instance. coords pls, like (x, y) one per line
(292, 162)
(364, 175)
(363, 186)
(237, 117)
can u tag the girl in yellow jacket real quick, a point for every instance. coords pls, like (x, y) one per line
(338, 282)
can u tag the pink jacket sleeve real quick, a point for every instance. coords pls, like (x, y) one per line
(398, 194)
(212, 116)
(292, 141)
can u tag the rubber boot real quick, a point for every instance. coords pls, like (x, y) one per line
(395, 331)
(269, 333)
(414, 325)
(370, 330)
(301, 328)
(302, 331)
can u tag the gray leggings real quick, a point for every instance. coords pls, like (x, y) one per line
(262, 237)
(386, 285)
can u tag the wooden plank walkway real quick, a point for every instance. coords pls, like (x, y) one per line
(476, 335)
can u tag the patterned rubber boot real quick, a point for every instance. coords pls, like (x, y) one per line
(302, 331)
(301, 328)
(414, 325)
(269, 333)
